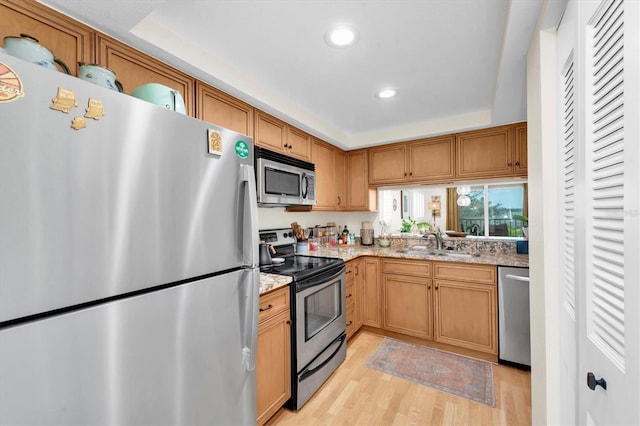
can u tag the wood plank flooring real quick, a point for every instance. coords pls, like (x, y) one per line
(357, 395)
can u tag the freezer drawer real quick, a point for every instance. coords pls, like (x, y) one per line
(513, 316)
(182, 355)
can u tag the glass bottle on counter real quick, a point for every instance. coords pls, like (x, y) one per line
(345, 235)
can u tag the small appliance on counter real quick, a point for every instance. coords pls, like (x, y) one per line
(366, 234)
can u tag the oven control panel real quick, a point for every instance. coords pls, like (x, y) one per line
(277, 237)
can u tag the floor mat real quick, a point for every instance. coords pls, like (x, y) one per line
(459, 375)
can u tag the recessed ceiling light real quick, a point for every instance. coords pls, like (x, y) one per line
(341, 36)
(386, 93)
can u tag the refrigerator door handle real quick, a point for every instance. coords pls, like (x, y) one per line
(249, 217)
(249, 289)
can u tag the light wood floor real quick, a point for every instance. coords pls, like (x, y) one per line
(357, 395)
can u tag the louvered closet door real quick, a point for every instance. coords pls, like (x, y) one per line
(570, 243)
(607, 313)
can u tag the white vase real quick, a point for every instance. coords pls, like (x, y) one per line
(525, 231)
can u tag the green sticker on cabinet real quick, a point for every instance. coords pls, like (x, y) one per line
(242, 149)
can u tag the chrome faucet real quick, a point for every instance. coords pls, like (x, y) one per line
(476, 229)
(438, 238)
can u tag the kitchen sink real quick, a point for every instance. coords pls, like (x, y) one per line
(429, 252)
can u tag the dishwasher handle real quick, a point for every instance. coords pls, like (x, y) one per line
(517, 278)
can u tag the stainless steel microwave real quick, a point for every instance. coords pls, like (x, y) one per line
(284, 181)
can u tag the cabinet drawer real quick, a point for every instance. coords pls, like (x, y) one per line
(351, 323)
(485, 274)
(273, 303)
(349, 293)
(416, 268)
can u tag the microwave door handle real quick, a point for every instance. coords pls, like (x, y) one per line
(305, 185)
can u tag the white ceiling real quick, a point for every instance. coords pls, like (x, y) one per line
(457, 64)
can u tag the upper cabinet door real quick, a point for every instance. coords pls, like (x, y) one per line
(322, 156)
(68, 40)
(224, 110)
(298, 143)
(432, 159)
(270, 132)
(359, 196)
(133, 69)
(387, 164)
(485, 153)
(339, 161)
(520, 165)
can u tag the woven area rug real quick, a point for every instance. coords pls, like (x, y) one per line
(465, 377)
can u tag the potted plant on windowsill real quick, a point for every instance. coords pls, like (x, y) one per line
(525, 224)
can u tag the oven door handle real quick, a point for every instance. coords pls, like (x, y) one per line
(325, 277)
(311, 368)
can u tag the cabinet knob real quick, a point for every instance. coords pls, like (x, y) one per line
(357, 271)
(348, 296)
(405, 174)
(509, 164)
(349, 323)
(593, 383)
(339, 200)
(517, 163)
(410, 173)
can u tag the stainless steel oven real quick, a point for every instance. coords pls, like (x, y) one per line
(318, 314)
(320, 326)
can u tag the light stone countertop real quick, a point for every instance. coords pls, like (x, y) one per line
(269, 282)
(351, 252)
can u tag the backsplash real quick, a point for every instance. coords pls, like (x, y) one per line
(277, 217)
(467, 245)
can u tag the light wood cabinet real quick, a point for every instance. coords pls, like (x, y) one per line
(278, 136)
(273, 359)
(465, 306)
(422, 161)
(322, 155)
(360, 197)
(354, 296)
(431, 160)
(521, 163)
(221, 109)
(447, 302)
(407, 305)
(298, 143)
(339, 166)
(494, 152)
(358, 315)
(134, 68)
(68, 40)
(407, 297)
(372, 309)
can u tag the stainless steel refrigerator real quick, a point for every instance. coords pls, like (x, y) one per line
(128, 259)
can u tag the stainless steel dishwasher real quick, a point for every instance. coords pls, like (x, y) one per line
(513, 317)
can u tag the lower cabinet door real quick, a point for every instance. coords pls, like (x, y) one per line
(273, 365)
(407, 305)
(466, 315)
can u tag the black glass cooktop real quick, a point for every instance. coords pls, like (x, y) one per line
(300, 266)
